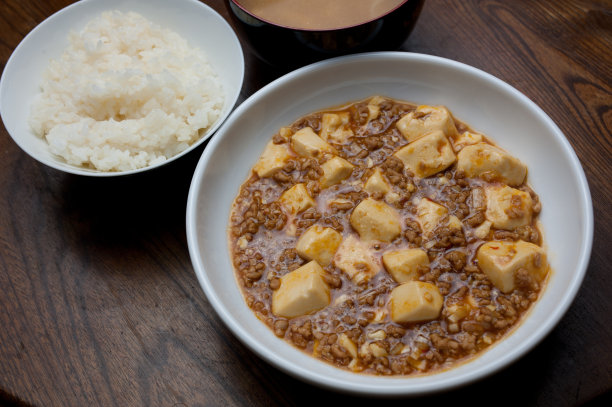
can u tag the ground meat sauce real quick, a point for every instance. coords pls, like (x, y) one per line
(356, 328)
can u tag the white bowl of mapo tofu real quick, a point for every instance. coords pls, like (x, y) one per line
(387, 238)
(384, 242)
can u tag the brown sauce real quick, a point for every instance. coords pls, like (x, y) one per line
(318, 14)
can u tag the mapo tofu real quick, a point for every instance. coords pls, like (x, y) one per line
(387, 238)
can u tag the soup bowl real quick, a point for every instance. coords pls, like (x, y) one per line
(285, 45)
(492, 108)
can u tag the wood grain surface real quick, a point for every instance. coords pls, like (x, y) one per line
(99, 304)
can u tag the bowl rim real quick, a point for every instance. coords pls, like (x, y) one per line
(301, 373)
(229, 104)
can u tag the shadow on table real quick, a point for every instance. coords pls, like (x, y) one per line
(130, 209)
(519, 384)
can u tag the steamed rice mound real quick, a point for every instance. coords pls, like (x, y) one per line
(125, 94)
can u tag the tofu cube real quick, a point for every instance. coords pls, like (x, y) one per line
(491, 163)
(454, 222)
(334, 127)
(404, 265)
(376, 183)
(457, 311)
(377, 350)
(335, 171)
(426, 119)
(286, 133)
(374, 107)
(356, 259)
(415, 301)
(301, 292)
(500, 261)
(319, 243)
(482, 231)
(306, 143)
(428, 155)
(296, 199)
(430, 215)
(272, 160)
(466, 139)
(375, 220)
(479, 201)
(508, 208)
(348, 344)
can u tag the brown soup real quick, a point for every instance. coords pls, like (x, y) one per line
(318, 14)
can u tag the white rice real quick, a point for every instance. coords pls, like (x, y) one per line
(125, 94)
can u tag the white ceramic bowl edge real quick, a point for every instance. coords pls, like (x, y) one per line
(492, 107)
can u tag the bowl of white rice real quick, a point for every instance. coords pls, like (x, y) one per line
(117, 87)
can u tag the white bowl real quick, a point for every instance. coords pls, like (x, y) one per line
(486, 103)
(199, 24)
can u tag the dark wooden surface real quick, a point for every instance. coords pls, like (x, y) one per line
(99, 304)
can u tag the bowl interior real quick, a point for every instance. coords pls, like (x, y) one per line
(200, 25)
(486, 103)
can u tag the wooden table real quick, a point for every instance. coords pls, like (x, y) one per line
(99, 304)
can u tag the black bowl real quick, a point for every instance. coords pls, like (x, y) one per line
(287, 47)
